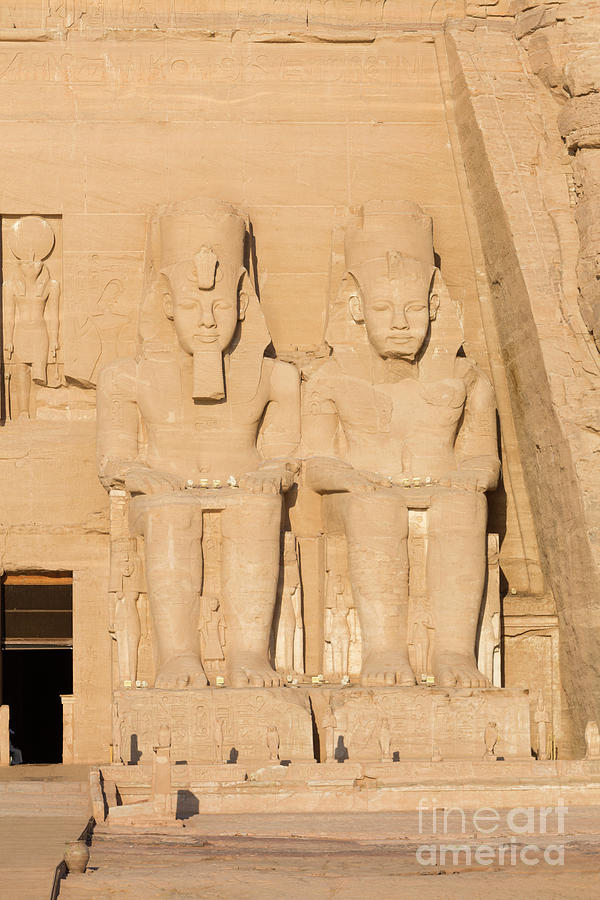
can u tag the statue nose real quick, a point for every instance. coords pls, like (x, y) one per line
(206, 318)
(399, 320)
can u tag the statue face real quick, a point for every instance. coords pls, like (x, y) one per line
(396, 311)
(203, 319)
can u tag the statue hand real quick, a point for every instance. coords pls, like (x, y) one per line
(325, 474)
(372, 480)
(285, 469)
(262, 482)
(469, 480)
(142, 480)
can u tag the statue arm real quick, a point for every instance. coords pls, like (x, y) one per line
(323, 471)
(476, 444)
(9, 307)
(117, 426)
(52, 317)
(279, 433)
(281, 424)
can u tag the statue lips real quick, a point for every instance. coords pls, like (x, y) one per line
(206, 338)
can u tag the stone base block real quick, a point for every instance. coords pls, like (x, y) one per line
(327, 788)
(214, 725)
(403, 723)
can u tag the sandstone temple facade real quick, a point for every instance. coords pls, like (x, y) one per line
(300, 419)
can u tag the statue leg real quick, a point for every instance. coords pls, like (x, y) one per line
(173, 534)
(21, 380)
(456, 561)
(250, 572)
(376, 527)
(284, 654)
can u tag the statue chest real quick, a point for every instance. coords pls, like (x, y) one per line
(164, 397)
(403, 409)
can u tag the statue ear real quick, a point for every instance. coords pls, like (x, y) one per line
(165, 289)
(244, 289)
(354, 297)
(434, 297)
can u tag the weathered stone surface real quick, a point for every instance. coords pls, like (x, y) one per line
(526, 229)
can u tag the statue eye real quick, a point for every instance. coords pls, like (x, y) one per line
(380, 306)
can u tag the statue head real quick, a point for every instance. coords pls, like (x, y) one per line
(203, 286)
(389, 278)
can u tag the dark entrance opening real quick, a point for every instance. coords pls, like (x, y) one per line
(37, 661)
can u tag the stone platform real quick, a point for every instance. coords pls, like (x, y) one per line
(121, 793)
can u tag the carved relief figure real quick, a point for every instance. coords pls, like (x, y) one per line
(273, 742)
(397, 420)
(422, 645)
(31, 315)
(212, 634)
(290, 629)
(339, 625)
(542, 721)
(329, 725)
(98, 336)
(202, 393)
(592, 741)
(126, 581)
(490, 738)
(385, 740)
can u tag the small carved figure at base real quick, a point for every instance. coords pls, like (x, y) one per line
(329, 725)
(385, 741)
(542, 720)
(490, 737)
(273, 742)
(161, 772)
(592, 741)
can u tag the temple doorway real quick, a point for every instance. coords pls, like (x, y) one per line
(36, 631)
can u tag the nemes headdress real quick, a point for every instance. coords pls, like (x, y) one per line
(209, 237)
(392, 239)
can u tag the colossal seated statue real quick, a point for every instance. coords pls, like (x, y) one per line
(202, 419)
(396, 420)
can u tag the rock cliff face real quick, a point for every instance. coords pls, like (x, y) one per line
(533, 192)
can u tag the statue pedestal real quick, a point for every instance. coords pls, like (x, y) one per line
(419, 723)
(222, 726)
(214, 725)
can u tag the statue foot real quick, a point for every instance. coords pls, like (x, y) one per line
(455, 669)
(385, 669)
(251, 670)
(181, 672)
